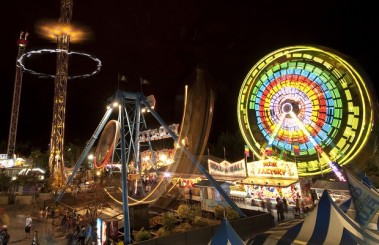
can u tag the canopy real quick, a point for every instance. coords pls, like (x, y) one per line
(326, 224)
(348, 208)
(365, 199)
(226, 235)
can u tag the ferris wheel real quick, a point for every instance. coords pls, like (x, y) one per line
(308, 105)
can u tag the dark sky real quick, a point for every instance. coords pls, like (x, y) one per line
(163, 42)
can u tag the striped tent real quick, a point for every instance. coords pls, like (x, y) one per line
(348, 208)
(226, 235)
(326, 224)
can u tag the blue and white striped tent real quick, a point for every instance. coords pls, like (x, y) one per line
(348, 208)
(365, 196)
(226, 235)
(326, 224)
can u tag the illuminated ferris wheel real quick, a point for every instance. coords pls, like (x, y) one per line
(308, 105)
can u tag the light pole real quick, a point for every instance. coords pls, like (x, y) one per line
(90, 166)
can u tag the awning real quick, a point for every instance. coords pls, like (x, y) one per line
(276, 182)
(331, 185)
(207, 183)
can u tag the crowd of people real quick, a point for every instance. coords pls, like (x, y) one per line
(80, 228)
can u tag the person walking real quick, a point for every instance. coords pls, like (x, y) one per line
(4, 236)
(279, 209)
(285, 205)
(268, 205)
(28, 226)
(81, 236)
(35, 240)
(88, 237)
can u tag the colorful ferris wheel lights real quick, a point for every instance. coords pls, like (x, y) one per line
(309, 100)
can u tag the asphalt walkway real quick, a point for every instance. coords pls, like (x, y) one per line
(49, 231)
(49, 234)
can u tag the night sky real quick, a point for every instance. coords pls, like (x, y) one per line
(163, 42)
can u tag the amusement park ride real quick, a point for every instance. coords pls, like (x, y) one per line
(309, 103)
(311, 106)
(126, 138)
(22, 43)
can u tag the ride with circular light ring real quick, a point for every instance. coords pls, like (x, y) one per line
(309, 105)
(22, 58)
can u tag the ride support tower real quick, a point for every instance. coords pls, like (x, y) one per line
(22, 42)
(56, 161)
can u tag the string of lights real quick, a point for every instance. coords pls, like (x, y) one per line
(22, 59)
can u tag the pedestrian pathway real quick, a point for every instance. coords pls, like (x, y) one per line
(49, 234)
(49, 230)
(287, 215)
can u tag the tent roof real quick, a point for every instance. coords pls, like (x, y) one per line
(226, 235)
(326, 224)
(207, 183)
(331, 185)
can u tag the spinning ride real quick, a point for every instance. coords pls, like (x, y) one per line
(108, 139)
(309, 105)
(131, 120)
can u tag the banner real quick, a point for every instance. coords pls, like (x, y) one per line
(269, 151)
(225, 168)
(247, 151)
(366, 200)
(296, 149)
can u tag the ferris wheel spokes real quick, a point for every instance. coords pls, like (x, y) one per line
(318, 148)
(277, 128)
(268, 150)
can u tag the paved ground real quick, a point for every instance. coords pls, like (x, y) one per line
(49, 233)
(288, 216)
(15, 217)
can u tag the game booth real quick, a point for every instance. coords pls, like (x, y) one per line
(257, 181)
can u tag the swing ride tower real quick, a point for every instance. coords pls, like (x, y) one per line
(56, 161)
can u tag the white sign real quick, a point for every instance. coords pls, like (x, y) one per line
(158, 134)
(227, 169)
(272, 168)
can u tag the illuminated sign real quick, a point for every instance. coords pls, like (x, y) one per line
(226, 168)
(158, 134)
(101, 231)
(272, 168)
(7, 163)
(3, 156)
(160, 158)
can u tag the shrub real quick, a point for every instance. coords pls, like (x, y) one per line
(141, 235)
(219, 212)
(162, 232)
(231, 214)
(200, 222)
(188, 212)
(182, 228)
(228, 212)
(168, 220)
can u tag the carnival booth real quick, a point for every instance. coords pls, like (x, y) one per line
(209, 197)
(263, 181)
(271, 178)
(327, 224)
(339, 191)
